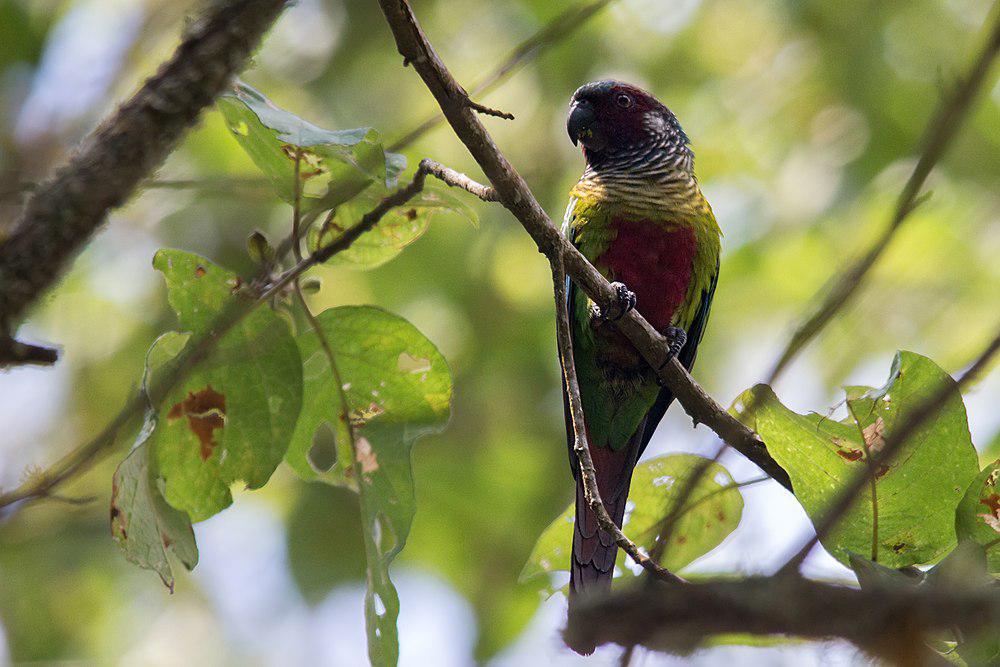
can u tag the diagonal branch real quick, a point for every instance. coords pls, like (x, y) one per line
(921, 414)
(512, 191)
(941, 130)
(548, 35)
(64, 212)
(581, 446)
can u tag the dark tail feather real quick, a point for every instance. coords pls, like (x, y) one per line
(594, 550)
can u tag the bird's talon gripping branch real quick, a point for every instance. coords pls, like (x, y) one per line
(625, 302)
(676, 339)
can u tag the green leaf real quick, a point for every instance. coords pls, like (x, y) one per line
(142, 523)
(978, 515)
(335, 165)
(962, 569)
(992, 450)
(260, 249)
(917, 492)
(873, 575)
(399, 227)
(326, 545)
(965, 568)
(711, 514)
(234, 414)
(398, 387)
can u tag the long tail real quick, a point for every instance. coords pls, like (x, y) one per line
(594, 550)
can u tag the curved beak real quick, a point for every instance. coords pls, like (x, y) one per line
(582, 125)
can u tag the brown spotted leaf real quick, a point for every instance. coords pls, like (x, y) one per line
(397, 387)
(142, 523)
(917, 492)
(205, 411)
(978, 515)
(232, 417)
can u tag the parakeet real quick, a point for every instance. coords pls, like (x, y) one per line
(639, 216)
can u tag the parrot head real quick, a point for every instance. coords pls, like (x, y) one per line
(615, 121)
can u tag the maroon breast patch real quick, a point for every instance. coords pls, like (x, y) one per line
(655, 263)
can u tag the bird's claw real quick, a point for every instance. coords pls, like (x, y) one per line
(676, 339)
(625, 302)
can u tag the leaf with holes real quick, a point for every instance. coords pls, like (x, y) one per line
(916, 493)
(397, 229)
(978, 515)
(234, 414)
(334, 165)
(397, 387)
(710, 515)
(142, 523)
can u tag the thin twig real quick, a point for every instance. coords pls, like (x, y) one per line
(581, 446)
(548, 35)
(489, 111)
(941, 130)
(512, 191)
(458, 180)
(893, 445)
(66, 210)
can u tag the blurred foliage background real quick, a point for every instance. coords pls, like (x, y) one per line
(805, 117)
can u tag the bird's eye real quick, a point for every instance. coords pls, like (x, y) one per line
(623, 100)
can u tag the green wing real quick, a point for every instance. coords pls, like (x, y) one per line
(686, 356)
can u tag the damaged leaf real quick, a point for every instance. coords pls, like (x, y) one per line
(368, 343)
(917, 491)
(142, 523)
(712, 513)
(232, 417)
(388, 410)
(205, 411)
(978, 515)
(334, 165)
(396, 230)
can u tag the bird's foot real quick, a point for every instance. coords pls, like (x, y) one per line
(676, 339)
(625, 301)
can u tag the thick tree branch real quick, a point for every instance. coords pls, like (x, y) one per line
(581, 446)
(514, 194)
(889, 622)
(921, 414)
(64, 212)
(941, 130)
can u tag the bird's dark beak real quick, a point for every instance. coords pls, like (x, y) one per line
(582, 125)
